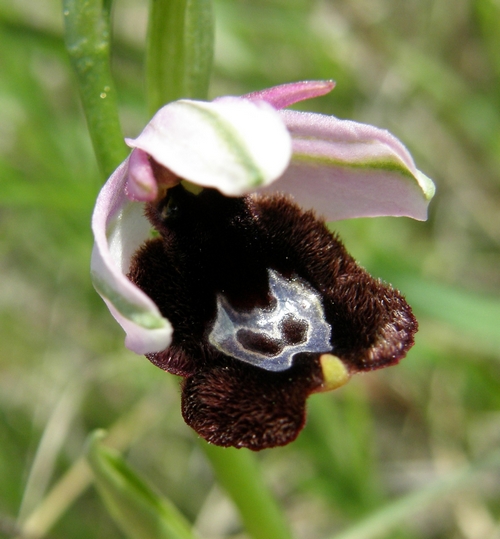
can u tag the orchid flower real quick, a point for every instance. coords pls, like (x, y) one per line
(244, 292)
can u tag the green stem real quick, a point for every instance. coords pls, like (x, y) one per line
(237, 471)
(179, 50)
(87, 36)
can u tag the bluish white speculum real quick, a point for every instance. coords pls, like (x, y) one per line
(269, 338)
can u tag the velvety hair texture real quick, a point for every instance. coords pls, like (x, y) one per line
(210, 244)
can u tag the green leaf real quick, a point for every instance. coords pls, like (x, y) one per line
(137, 509)
(180, 50)
(87, 36)
(237, 471)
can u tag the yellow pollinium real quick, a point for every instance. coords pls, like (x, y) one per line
(191, 187)
(335, 373)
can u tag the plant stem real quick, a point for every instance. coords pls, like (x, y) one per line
(179, 50)
(238, 473)
(87, 36)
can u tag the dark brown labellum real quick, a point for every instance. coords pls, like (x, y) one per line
(257, 290)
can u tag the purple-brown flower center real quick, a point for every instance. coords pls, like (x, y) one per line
(267, 307)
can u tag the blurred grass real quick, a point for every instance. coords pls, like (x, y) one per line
(429, 73)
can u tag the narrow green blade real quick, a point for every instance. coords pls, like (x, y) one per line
(138, 510)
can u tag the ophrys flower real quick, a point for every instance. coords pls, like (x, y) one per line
(265, 304)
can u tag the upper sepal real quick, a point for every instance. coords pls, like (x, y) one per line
(231, 144)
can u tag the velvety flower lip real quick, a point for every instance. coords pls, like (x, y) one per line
(241, 145)
(268, 307)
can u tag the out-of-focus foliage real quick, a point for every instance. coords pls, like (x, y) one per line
(427, 70)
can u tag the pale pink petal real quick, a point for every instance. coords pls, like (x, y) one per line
(345, 169)
(232, 144)
(119, 228)
(285, 95)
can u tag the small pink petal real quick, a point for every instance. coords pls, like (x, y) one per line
(285, 95)
(141, 184)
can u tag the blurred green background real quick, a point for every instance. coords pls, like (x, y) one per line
(427, 70)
